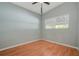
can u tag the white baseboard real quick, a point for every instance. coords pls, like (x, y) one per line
(13, 46)
(62, 44)
(38, 40)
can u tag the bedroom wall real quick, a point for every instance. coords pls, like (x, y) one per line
(78, 23)
(17, 25)
(69, 35)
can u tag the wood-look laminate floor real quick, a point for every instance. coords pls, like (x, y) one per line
(40, 48)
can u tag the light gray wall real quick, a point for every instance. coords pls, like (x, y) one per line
(78, 23)
(68, 36)
(17, 25)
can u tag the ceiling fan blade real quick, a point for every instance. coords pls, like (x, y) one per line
(34, 2)
(47, 3)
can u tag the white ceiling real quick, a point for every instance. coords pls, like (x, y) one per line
(37, 7)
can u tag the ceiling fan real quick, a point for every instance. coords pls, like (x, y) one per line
(42, 2)
(47, 3)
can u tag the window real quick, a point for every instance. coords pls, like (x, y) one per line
(60, 22)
